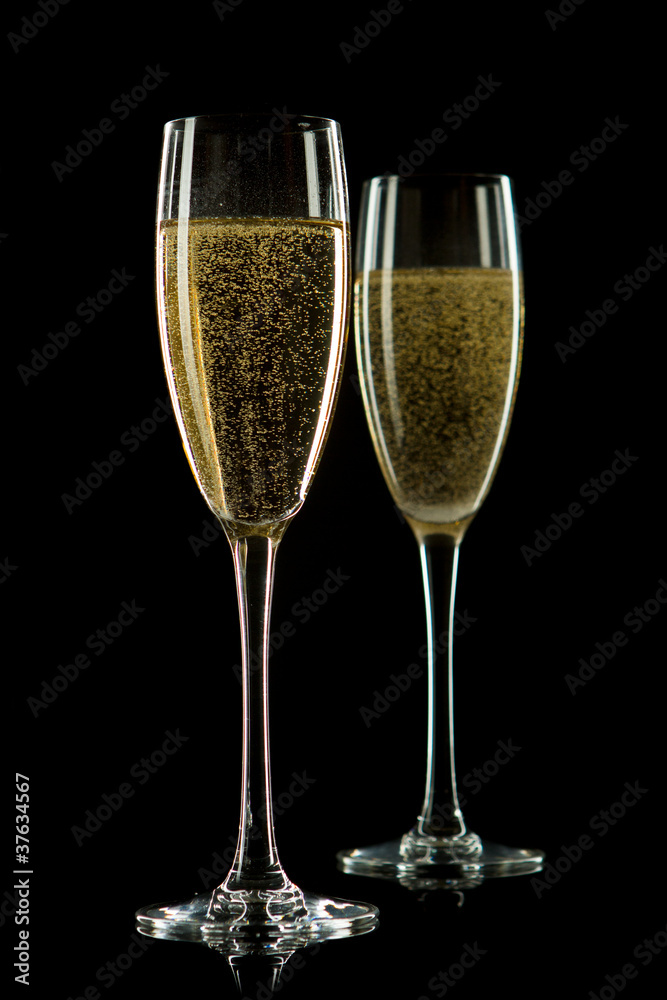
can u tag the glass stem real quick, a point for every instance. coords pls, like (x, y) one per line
(441, 814)
(256, 864)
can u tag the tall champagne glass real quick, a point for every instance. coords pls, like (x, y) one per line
(438, 315)
(253, 288)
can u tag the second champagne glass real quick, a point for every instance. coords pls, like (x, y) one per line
(253, 283)
(438, 315)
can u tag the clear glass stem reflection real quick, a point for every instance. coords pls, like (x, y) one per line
(256, 864)
(438, 321)
(441, 814)
(253, 289)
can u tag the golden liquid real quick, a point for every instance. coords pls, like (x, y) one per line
(439, 351)
(253, 320)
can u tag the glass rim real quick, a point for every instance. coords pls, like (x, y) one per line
(322, 124)
(436, 176)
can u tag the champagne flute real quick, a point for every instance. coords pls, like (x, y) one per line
(253, 289)
(438, 316)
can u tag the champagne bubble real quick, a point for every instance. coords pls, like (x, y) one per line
(441, 359)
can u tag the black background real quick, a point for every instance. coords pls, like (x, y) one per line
(68, 571)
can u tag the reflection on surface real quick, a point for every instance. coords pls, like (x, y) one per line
(418, 866)
(257, 936)
(263, 975)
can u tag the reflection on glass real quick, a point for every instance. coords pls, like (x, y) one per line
(253, 281)
(438, 317)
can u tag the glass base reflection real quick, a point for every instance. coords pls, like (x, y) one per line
(420, 862)
(257, 922)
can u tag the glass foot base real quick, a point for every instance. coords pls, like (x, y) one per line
(435, 862)
(257, 921)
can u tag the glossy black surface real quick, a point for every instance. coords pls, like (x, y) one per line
(147, 732)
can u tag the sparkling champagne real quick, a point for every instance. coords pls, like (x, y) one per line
(253, 319)
(440, 353)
